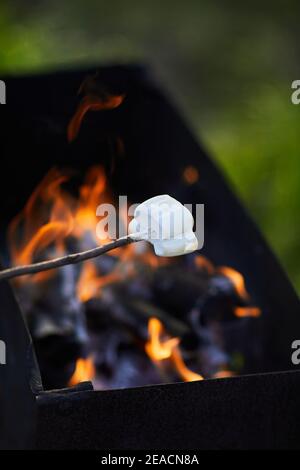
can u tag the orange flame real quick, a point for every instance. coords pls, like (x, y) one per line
(223, 374)
(247, 312)
(29, 233)
(159, 349)
(92, 192)
(91, 103)
(90, 282)
(239, 285)
(237, 280)
(186, 374)
(84, 371)
(156, 348)
(202, 262)
(51, 215)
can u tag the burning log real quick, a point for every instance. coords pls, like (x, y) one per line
(57, 322)
(116, 304)
(177, 289)
(222, 303)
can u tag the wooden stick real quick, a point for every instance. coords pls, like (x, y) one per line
(64, 260)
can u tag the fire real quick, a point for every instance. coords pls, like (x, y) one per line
(160, 349)
(51, 215)
(202, 262)
(223, 374)
(91, 103)
(29, 233)
(84, 371)
(237, 280)
(247, 312)
(157, 348)
(90, 282)
(92, 193)
(239, 284)
(186, 374)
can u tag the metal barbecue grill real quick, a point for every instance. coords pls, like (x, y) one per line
(259, 408)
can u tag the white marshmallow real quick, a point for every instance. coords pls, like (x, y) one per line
(167, 224)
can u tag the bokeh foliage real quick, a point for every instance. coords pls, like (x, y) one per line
(230, 66)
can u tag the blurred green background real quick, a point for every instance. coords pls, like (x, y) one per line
(229, 65)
